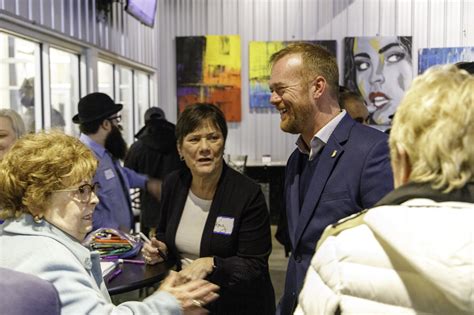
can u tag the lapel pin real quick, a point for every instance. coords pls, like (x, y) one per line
(334, 153)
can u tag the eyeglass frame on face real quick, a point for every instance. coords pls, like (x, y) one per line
(92, 189)
(117, 118)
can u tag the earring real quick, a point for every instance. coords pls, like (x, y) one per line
(181, 158)
(38, 219)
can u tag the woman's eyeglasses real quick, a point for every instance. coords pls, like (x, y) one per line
(84, 192)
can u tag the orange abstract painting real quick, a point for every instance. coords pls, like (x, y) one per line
(208, 71)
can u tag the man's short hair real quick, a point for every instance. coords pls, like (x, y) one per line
(317, 60)
(349, 95)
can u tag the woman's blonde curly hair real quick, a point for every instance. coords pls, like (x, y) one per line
(38, 164)
(435, 125)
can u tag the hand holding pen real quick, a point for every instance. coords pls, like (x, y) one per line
(153, 250)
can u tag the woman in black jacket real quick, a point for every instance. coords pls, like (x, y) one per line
(214, 220)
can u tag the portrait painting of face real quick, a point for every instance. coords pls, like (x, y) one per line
(380, 69)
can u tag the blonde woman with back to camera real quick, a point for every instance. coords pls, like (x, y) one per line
(48, 200)
(413, 252)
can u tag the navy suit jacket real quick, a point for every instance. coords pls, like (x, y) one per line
(353, 173)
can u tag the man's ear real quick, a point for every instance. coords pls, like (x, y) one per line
(401, 167)
(318, 86)
(106, 124)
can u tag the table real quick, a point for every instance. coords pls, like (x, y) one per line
(136, 276)
(273, 174)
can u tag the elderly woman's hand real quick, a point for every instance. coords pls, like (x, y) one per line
(150, 251)
(198, 269)
(192, 295)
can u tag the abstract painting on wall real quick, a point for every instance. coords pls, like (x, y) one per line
(428, 57)
(259, 69)
(208, 70)
(380, 69)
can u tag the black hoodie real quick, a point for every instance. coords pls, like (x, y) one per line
(154, 154)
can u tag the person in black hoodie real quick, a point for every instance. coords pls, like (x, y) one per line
(155, 154)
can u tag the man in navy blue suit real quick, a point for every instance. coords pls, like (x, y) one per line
(339, 167)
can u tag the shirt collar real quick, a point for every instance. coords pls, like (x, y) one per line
(320, 138)
(94, 146)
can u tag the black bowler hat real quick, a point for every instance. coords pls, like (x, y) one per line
(95, 106)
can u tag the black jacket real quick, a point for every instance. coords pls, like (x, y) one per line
(241, 258)
(154, 154)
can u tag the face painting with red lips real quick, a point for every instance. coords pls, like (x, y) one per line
(383, 73)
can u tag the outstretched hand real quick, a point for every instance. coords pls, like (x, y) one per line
(198, 269)
(192, 295)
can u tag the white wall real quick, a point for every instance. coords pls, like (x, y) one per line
(432, 23)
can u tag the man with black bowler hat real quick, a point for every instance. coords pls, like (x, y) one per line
(98, 121)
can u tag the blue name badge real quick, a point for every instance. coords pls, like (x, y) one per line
(224, 225)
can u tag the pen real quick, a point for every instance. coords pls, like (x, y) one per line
(132, 261)
(146, 239)
(114, 274)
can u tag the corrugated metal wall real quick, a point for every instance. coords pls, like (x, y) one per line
(118, 33)
(432, 23)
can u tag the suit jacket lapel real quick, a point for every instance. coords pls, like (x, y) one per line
(326, 164)
(217, 203)
(293, 198)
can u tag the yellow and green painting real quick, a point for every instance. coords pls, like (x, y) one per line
(259, 69)
(208, 71)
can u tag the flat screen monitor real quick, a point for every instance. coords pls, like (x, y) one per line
(143, 10)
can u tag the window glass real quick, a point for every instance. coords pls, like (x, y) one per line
(125, 93)
(64, 78)
(105, 77)
(19, 66)
(142, 92)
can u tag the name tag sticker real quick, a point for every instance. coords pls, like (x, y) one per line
(108, 173)
(224, 225)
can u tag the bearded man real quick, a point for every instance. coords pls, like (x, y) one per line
(339, 167)
(99, 122)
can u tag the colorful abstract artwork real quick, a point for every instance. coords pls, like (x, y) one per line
(259, 69)
(380, 68)
(208, 70)
(428, 57)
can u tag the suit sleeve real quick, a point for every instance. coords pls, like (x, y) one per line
(377, 177)
(253, 248)
(135, 179)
